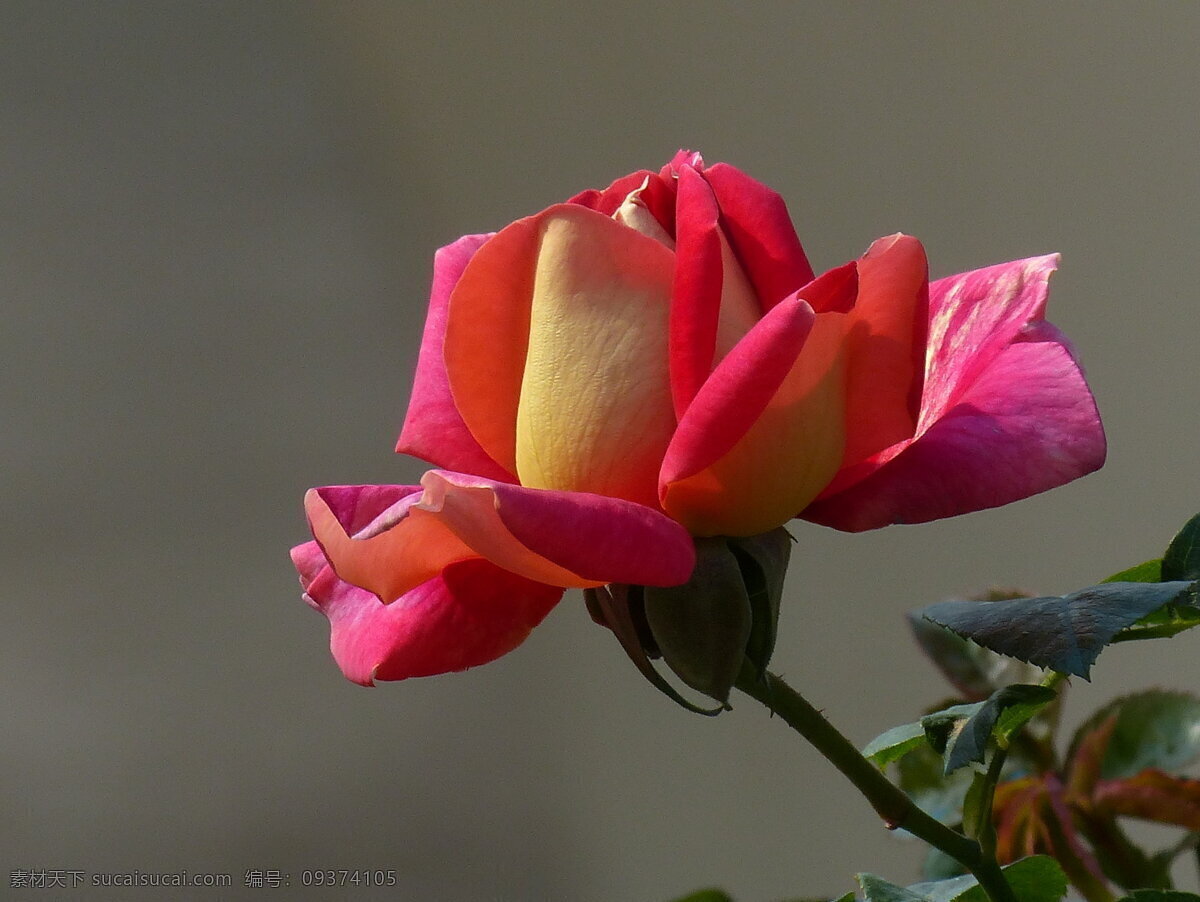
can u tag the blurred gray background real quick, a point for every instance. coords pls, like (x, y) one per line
(218, 226)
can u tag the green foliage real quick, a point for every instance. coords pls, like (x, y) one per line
(1034, 879)
(894, 744)
(972, 669)
(1153, 729)
(707, 895)
(1181, 561)
(1147, 572)
(1063, 633)
(1182, 558)
(1167, 621)
(945, 890)
(876, 889)
(969, 744)
(1124, 762)
(922, 775)
(941, 726)
(962, 732)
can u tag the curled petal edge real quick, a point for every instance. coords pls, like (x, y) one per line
(564, 539)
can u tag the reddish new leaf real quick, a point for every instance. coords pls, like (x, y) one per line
(1154, 796)
(1088, 758)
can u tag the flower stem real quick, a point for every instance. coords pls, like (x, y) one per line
(890, 802)
(985, 829)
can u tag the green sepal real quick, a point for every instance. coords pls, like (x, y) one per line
(610, 606)
(702, 626)
(763, 561)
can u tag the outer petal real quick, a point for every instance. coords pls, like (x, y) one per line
(470, 614)
(565, 539)
(765, 434)
(487, 335)
(972, 318)
(756, 221)
(1024, 424)
(595, 403)
(433, 428)
(886, 346)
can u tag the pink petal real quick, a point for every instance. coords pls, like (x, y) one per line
(756, 221)
(433, 428)
(470, 614)
(765, 432)
(1027, 423)
(972, 317)
(682, 158)
(565, 539)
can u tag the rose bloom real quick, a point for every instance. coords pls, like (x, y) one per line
(604, 380)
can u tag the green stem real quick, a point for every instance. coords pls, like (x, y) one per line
(890, 802)
(985, 828)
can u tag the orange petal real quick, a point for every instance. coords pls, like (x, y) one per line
(419, 536)
(764, 435)
(887, 346)
(391, 539)
(487, 334)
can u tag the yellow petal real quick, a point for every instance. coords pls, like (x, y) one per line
(595, 410)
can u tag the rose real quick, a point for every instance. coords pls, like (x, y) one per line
(572, 342)
(656, 356)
